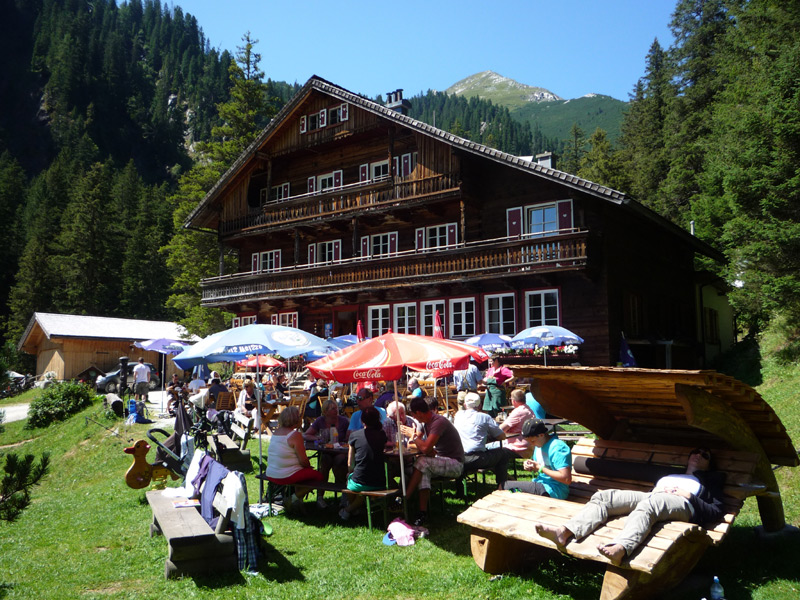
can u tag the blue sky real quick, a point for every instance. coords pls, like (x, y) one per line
(570, 47)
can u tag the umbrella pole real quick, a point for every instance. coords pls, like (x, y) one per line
(400, 445)
(260, 451)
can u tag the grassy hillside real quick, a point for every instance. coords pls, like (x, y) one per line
(86, 535)
(536, 105)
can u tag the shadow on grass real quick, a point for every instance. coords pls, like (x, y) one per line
(743, 362)
(5, 589)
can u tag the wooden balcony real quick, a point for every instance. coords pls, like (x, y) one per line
(461, 262)
(344, 202)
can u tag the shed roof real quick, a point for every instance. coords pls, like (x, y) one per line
(663, 407)
(81, 326)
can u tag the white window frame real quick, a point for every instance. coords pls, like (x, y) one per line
(545, 228)
(379, 171)
(312, 122)
(266, 261)
(384, 316)
(278, 192)
(538, 298)
(242, 321)
(330, 179)
(427, 235)
(464, 328)
(405, 317)
(427, 316)
(327, 249)
(499, 326)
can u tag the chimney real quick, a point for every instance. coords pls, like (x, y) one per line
(394, 100)
(545, 159)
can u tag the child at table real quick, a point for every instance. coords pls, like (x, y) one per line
(365, 459)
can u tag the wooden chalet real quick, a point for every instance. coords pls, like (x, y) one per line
(345, 209)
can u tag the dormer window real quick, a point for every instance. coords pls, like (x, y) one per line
(323, 118)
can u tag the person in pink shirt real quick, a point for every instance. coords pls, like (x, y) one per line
(503, 375)
(513, 425)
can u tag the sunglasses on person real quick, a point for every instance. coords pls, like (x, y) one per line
(704, 453)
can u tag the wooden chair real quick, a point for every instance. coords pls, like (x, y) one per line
(299, 399)
(225, 401)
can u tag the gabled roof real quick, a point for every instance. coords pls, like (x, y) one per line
(81, 326)
(316, 83)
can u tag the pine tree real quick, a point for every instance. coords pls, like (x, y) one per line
(575, 148)
(20, 475)
(601, 163)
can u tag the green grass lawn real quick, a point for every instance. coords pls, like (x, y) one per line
(86, 536)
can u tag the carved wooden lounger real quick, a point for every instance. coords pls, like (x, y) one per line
(503, 522)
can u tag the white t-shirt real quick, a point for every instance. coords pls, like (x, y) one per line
(141, 372)
(196, 384)
(689, 483)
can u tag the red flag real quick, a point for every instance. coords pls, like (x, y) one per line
(437, 326)
(360, 332)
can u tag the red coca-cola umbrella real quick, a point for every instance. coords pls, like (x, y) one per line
(437, 326)
(262, 361)
(386, 356)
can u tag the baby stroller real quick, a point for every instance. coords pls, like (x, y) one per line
(176, 451)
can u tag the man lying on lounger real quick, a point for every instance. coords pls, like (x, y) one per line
(692, 496)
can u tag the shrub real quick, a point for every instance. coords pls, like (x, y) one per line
(57, 402)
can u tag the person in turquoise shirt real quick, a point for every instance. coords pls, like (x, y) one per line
(538, 409)
(552, 463)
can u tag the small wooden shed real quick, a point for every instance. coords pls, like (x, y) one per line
(71, 344)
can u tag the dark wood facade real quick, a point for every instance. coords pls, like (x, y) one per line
(344, 209)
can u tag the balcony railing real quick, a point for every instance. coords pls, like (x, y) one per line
(344, 201)
(502, 257)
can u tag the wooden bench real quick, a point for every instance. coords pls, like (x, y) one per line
(193, 547)
(232, 451)
(503, 522)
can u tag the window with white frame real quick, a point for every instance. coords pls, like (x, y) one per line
(287, 319)
(242, 321)
(541, 308)
(266, 261)
(328, 251)
(405, 164)
(542, 220)
(405, 317)
(378, 320)
(499, 314)
(462, 317)
(379, 170)
(436, 236)
(379, 244)
(428, 316)
(328, 181)
(277, 192)
(338, 114)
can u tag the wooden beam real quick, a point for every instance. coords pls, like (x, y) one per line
(565, 401)
(709, 413)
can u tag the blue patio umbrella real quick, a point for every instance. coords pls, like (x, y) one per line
(491, 342)
(551, 335)
(545, 335)
(337, 343)
(238, 342)
(164, 345)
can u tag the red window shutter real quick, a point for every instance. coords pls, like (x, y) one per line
(363, 173)
(312, 254)
(286, 193)
(337, 250)
(273, 320)
(337, 179)
(564, 208)
(514, 221)
(323, 117)
(277, 259)
(406, 165)
(236, 322)
(254, 264)
(344, 112)
(452, 234)
(311, 184)
(365, 246)
(420, 238)
(396, 166)
(294, 320)
(393, 242)
(303, 124)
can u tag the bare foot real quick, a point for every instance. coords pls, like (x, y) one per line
(559, 535)
(613, 552)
